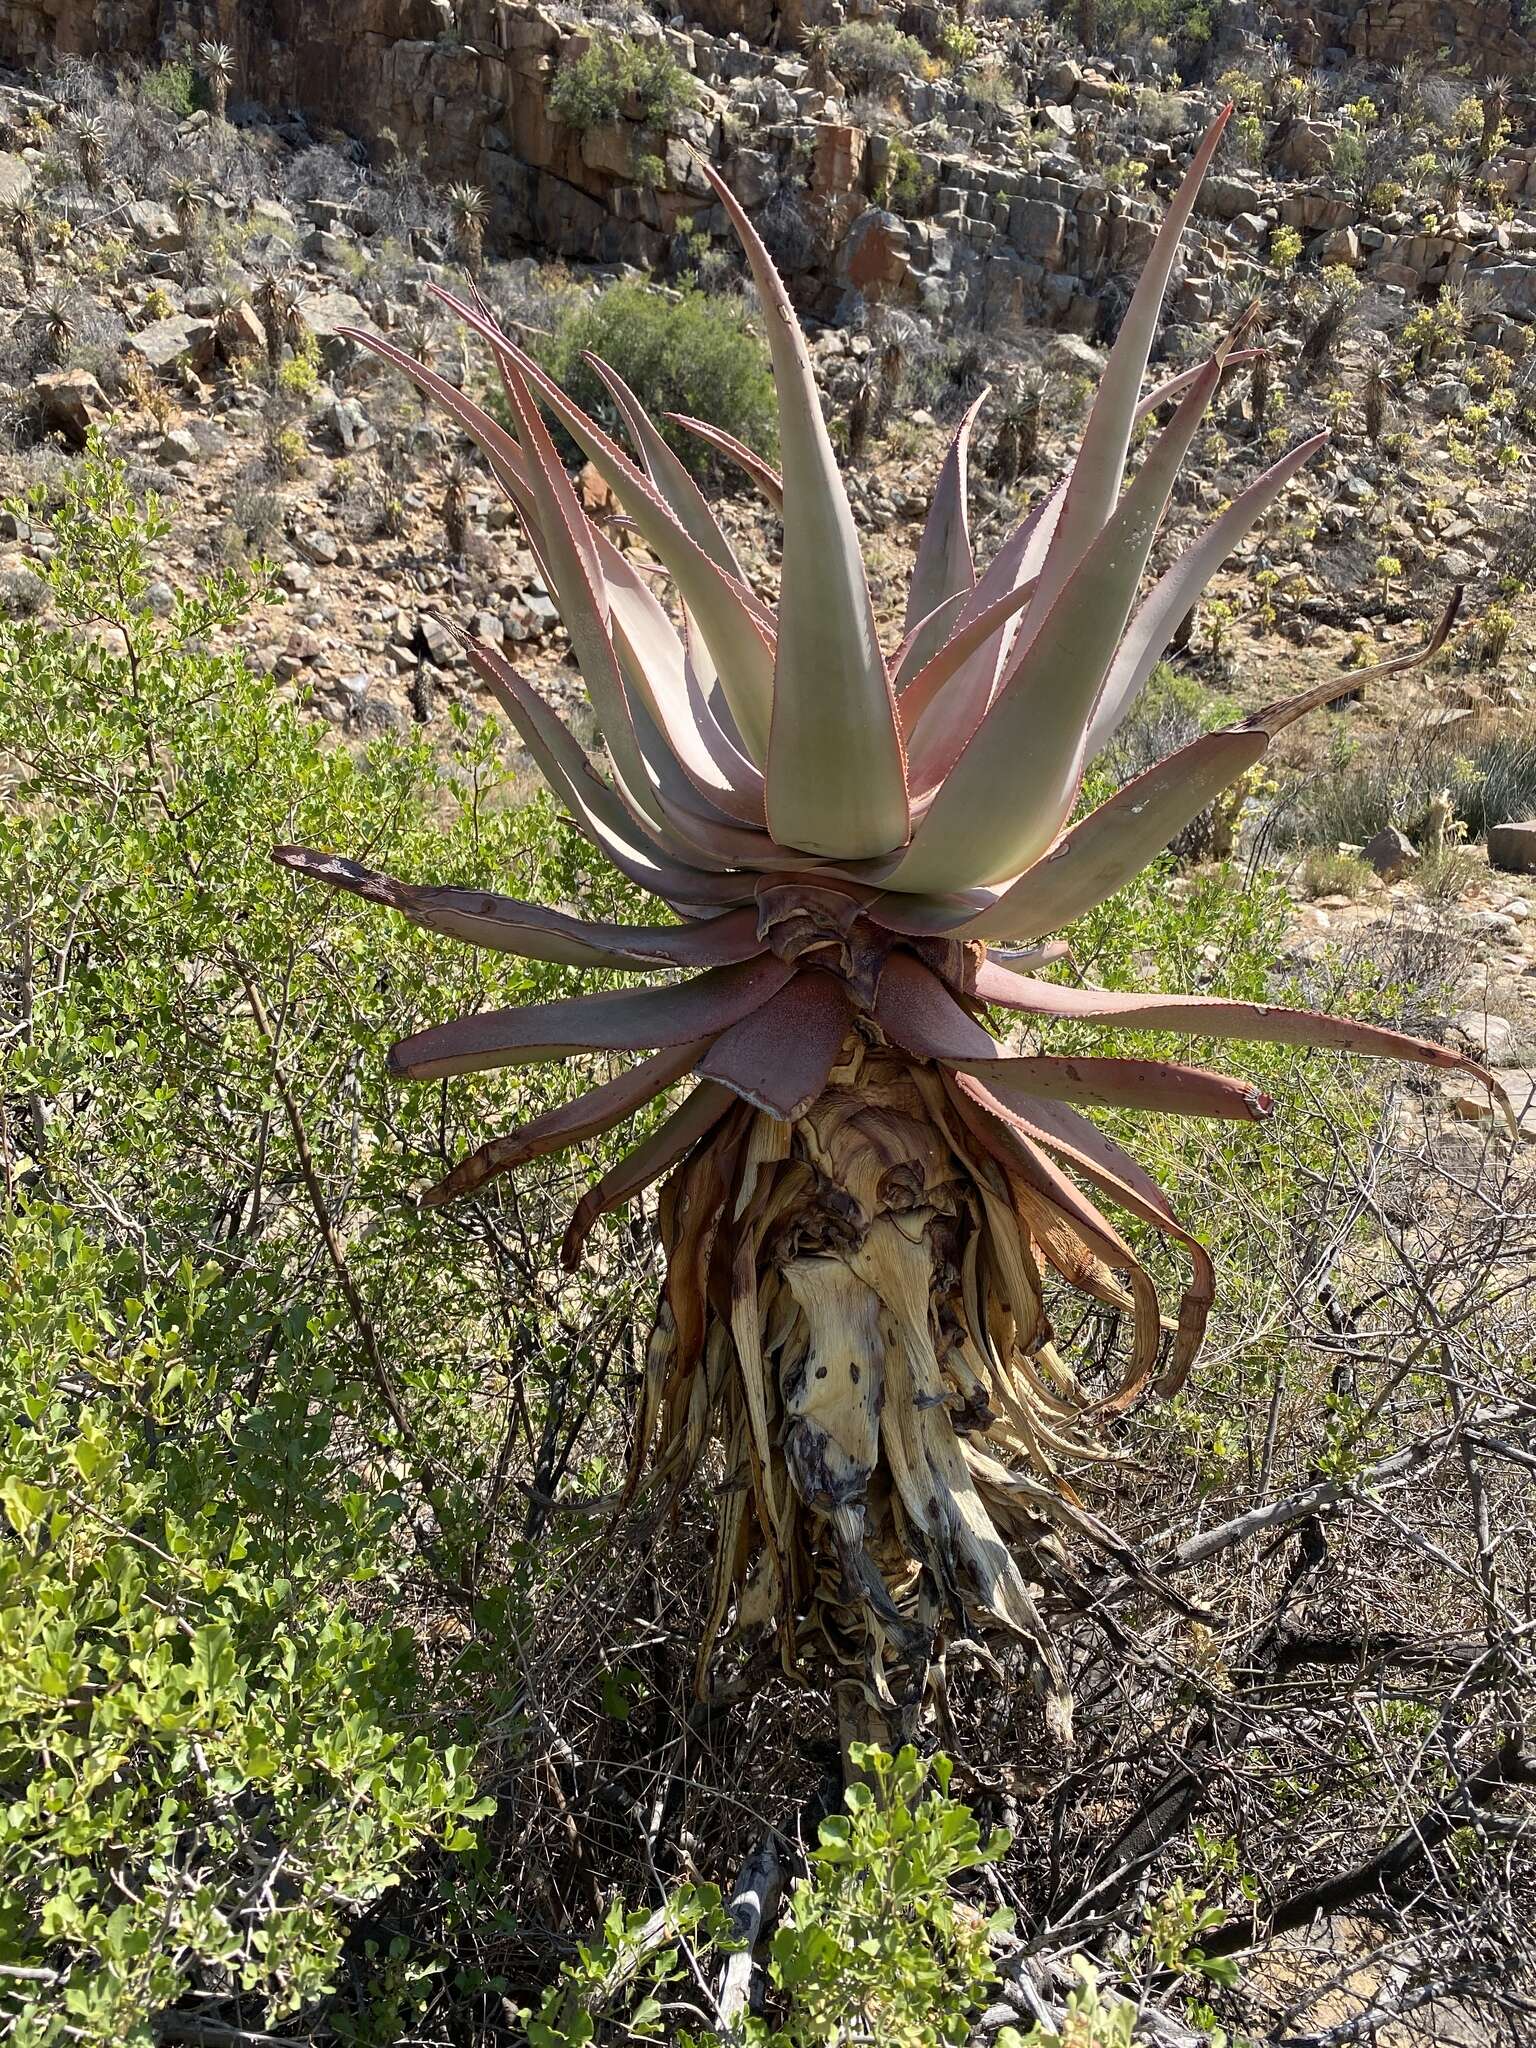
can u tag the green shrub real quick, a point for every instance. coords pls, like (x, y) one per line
(225, 1448)
(597, 87)
(873, 1944)
(1328, 873)
(171, 87)
(871, 56)
(698, 353)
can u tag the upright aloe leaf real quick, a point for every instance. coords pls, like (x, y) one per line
(1100, 465)
(1004, 800)
(945, 567)
(836, 777)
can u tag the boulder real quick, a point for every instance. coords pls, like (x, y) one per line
(876, 252)
(167, 344)
(1391, 853)
(153, 227)
(70, 402)
(1492, 1038)
(1513, 847)
(178, 446)
(325, 314)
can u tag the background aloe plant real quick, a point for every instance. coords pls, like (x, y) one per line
(870, 1200)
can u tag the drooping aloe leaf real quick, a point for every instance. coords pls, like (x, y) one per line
(504, 924)
(1007, 795)
(778, 1059)
(1111, 1169)
(573, 1123)
(1023, 1159)
(1107, 1083)
(1100, 464)
(615, 1020)
(692, 1120)
(836, 775)
(1218, 1017)
(945, 566)
(917, 1013)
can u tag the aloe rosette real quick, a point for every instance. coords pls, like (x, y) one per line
(866, 1193)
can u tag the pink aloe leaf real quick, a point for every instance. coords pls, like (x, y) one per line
(837, 781)
(918, 1014)
(573, 1123)
(505, 924)
(1113, 844)
(908, 657)
(1219, 1017)
(737, 625)
(594, 807)
(945, 566)
(778, 1059)
(687, 502)
(1171, 597)
(747, 460)
(615, 1020)
(1006, 797)
(982, 632)
(692, 1120)
(1100, 464)
(1106, 1083)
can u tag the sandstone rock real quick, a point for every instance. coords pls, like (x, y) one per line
(178, 446)
(70, 402)
(875, 255)
(1492, 1038)
(1513, 847)
(1391, 853)
(325, 313)
(153, 227)
(165, 344)
(1074, 357)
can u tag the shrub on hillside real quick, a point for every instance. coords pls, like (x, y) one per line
(234, 1364)
(871, 55)
(611, 74)
(694, 353)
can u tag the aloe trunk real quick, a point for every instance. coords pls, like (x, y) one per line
(866, 1201)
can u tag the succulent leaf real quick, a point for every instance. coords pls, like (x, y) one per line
(837, 780)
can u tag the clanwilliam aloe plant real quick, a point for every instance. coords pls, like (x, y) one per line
(866, 1192)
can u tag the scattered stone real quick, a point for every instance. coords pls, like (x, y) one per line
(70, 402)
(167, 344)
(1513, 847)
(179, 445)
(153, 227)
(1492, 1038)
(1391, 853)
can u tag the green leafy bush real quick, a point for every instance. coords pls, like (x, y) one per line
(614, 76)
(697, 353)
(873, 1945)
(170, 87)
(234, 1366)
(871, 56)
